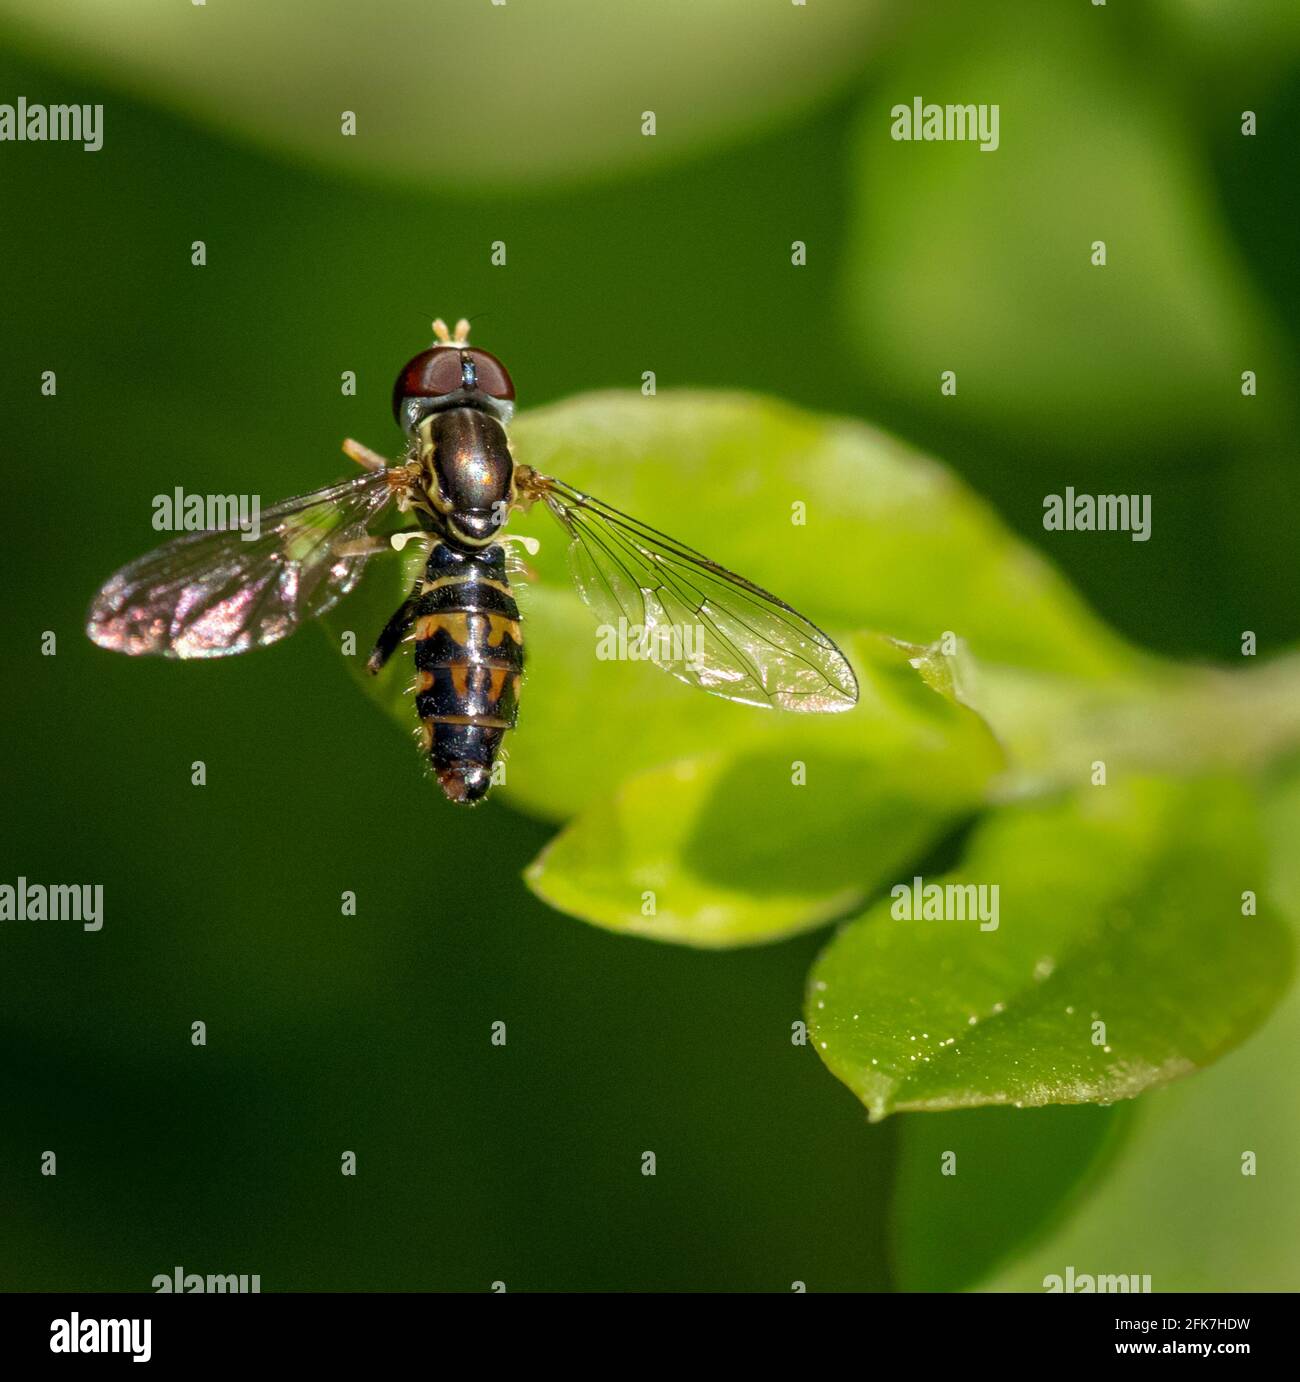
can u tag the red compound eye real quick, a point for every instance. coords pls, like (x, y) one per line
(491, 375)
(430, 374)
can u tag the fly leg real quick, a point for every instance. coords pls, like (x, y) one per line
(402, 479)
(364, 456)
(400, 624)
(363, 547)
(394, 631)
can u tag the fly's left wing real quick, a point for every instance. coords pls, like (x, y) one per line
(695, 619)
(214, 594)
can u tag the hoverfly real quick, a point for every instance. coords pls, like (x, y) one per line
(214, 594)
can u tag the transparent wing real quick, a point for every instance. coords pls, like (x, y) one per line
(214, 594)
(698, 621)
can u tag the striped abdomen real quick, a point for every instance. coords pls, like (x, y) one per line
(468, 659)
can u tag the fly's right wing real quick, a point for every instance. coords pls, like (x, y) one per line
(702, 624)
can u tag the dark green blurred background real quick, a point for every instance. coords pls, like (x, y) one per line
(328, 1033)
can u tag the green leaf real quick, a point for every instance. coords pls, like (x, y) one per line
(788, 833)
(1107, 1188)
(1177, 1204)
(1120, 905)
(469, 95)
(890, 539)
(972, 1188)
(1231, 39)
(1188, 1146)
(891, 542)
(1185, 721)
(953, 265)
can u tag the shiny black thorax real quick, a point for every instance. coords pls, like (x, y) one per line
(472, 470)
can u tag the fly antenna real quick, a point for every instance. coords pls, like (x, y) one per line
(459, 337)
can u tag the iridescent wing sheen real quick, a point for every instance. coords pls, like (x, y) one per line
(214, 594)
(695, 619)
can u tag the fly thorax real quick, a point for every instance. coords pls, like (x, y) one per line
(470, 471)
